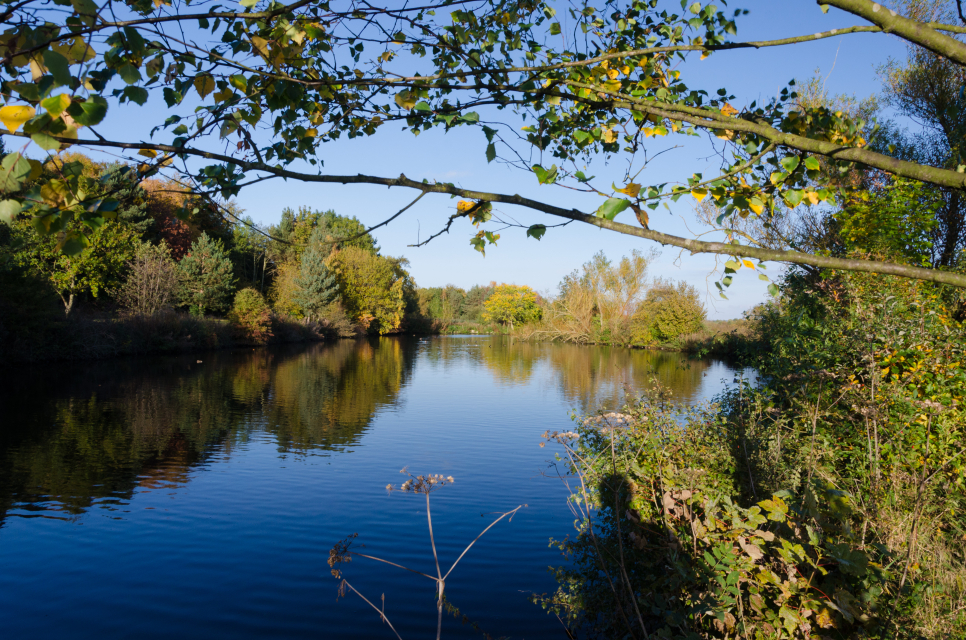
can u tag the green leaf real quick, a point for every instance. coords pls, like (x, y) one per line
(823, 7)
(129, 74)
(55, 105)
(13, 171)
(489, 133)
(422, 106)
(695, 8)
(472, 117)
(9, 209)
(811, 163)
(58, 66)
(239, 82)
(545, 176)
(45, 141)
(138, 95)
(793, 197)
(74, 243)
(180, 130)
(762, 276)
(773, 289)
(611, 208)
(536, 231)
(555, 28)
(248, 4)
(89, 112)
(790, 163)
(490, 152)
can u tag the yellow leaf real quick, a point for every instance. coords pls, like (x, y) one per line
(613, 74)
(756, 205)
(648, 132)
(626, 70)
(631, 189)
(204, 85)
(14, 116)
(608, 135)
(699, 194)
(311, 133)
(260, 45)
(812, 197)
(612, 85)
(463, 206)
(726, 134)
(37, 70)
(148, 153)
(406, 100)
(705, 54)
(748, 263)
(728, 110)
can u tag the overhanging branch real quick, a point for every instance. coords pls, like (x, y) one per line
(691, 245)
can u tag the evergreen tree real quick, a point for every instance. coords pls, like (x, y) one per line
(316, 287)
(206, 278)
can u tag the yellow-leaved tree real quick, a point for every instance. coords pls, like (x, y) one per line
(511, 304)
(376, 290)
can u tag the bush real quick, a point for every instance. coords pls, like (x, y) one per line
(251, 316)
(205, 277)
(668, 312)
(152, 281)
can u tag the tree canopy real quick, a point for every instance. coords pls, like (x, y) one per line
(255, 92)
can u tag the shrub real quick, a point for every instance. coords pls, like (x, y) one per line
(152, 281)
(668, 312)
(251, 316)
(205, 276)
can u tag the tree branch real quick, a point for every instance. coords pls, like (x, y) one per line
(911, 30)
(694, 246)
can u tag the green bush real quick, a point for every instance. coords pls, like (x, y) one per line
(668, 312)
(251, 316)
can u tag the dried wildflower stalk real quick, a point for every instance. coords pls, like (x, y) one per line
(425, 485)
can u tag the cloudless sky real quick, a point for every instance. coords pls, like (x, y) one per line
(847, 63)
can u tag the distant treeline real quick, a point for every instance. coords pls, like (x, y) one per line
(173, 271)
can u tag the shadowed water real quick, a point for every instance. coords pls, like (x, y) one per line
(198, 497)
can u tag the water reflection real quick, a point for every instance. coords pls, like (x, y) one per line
(599, 377)
(74, 436)
(71, 441)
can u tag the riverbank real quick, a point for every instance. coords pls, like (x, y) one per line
(733, 340)
(93, 338)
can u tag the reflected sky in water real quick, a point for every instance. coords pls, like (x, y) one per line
(199, 496)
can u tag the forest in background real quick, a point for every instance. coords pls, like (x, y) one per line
(173, 272)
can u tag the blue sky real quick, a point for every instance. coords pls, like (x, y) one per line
(848, 62)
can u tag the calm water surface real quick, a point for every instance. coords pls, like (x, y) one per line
(198, 497)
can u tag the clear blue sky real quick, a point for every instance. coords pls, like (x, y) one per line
(848, 62)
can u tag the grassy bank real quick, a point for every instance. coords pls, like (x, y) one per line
(83, 338)
(827, 502)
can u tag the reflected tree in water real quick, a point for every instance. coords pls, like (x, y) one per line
(101, 436)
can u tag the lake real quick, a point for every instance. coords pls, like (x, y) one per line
(198, 496)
